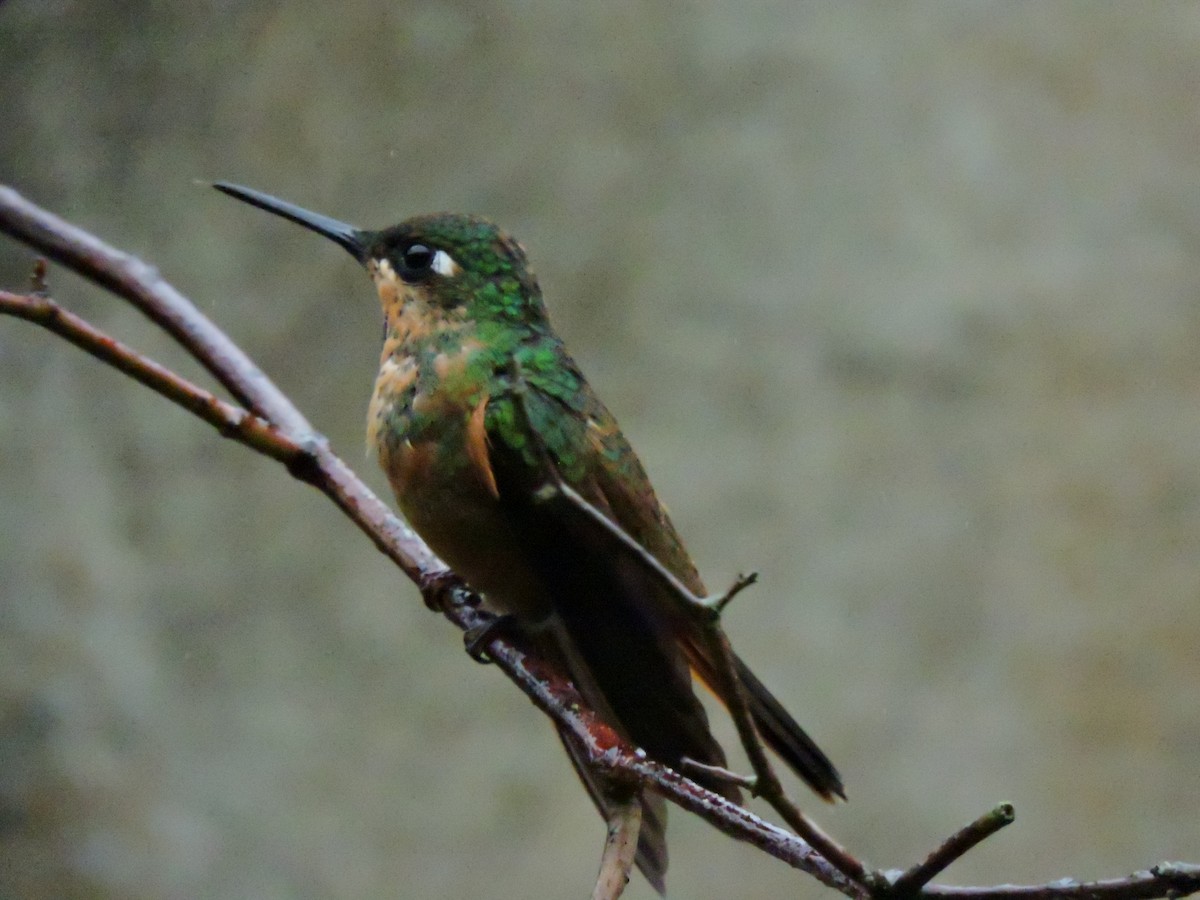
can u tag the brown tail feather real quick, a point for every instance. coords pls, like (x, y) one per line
(775, 724)
(785, 736)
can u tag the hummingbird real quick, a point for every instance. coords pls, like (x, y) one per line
(476, 407)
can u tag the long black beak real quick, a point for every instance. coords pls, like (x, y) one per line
(354, 240)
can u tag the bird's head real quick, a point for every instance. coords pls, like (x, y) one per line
(449, 263)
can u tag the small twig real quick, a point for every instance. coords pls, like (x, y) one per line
(952, 848)
(706, 612)
(128, 277)
(140, 284)
(311, 460)
(743, 581)
(615, 758)
(543, 683)
(718, 773)
(693, 605)
(37, 278)
(620, 845)
(767, 783)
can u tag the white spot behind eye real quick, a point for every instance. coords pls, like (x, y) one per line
(444, 264)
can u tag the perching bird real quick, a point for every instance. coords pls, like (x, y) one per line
(478, 406)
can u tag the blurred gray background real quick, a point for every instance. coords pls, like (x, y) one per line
(900, 303)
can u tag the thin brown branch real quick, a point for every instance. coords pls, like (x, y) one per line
(129, 277)
(955, 846)
(719, 773)
(140, 284)
(1167, 879)
(767, 783)
(692, 605)
(620, 845)
(705, 612)
(554, 694)
(279, 430)
(112, 269)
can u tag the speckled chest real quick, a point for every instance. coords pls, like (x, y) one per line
(425, 420)
(427, 425)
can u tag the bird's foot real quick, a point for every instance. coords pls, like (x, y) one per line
(438, 590)
(476, 639)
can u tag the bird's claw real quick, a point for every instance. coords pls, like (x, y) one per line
(477, 638)
(437, 589)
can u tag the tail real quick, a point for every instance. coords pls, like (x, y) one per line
(785, 736)
(775, 724)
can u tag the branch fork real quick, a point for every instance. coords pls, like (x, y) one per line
(266, 421)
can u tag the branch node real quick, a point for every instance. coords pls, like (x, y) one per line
(306, 466)
(620, 845)
(954, 847)
(743, 581)
(37, 278)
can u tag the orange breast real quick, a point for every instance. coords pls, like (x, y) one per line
(444, 498)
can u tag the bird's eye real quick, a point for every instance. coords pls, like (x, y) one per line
(421, 261)
(418, 258)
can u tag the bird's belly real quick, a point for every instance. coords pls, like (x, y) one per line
(454, 512)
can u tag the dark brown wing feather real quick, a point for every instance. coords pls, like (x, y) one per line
(631, 502)
(608, 603)
(626, 643)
